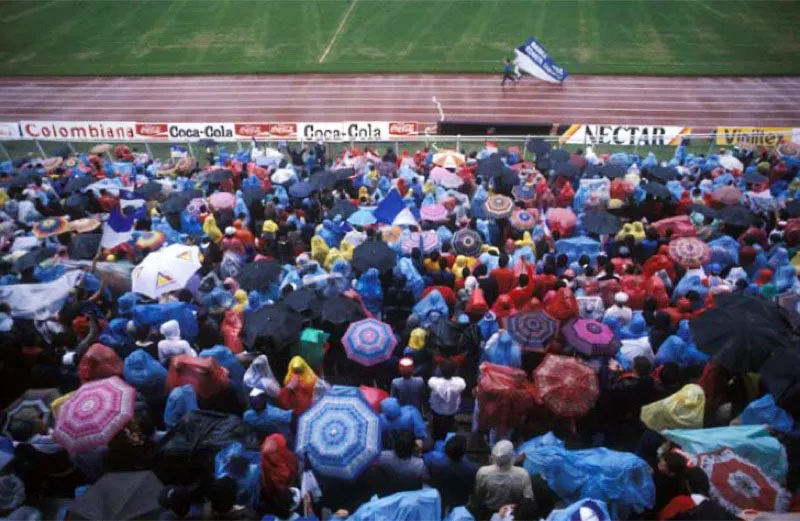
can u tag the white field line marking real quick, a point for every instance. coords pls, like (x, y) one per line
(26, 12)
(338, 30)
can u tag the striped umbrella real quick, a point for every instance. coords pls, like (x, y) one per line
(498, 206)
(369, 342)
(467, 242)
(428, 241)
(449, 159)
(532, 329)
(524, 220)
(433, 212)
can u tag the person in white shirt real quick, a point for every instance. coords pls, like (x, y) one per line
(445, 398)
(619, 310)
(172, 345)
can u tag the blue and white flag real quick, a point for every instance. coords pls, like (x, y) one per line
(132, 203)
(532, 58)
(117, 229)
(39, 300)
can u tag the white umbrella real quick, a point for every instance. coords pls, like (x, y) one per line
(168, 269)
(729, 162)
(449, 159)
(283, 175)
(405, 218)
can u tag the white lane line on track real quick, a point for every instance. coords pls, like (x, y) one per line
(338, 30)
(26, 12)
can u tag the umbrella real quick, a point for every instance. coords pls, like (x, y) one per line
(427, 241)
(50, 226)
(729, 162)
(559, 155)
(438, 173)
(524, 220)
(362, 217)
(755, 178)
(322, 180)
(340, 434)
(566, 386)
(342, 174)
(563, 218)
(433, 212)
(342, 207)
(656, 190)
(664, 173)
(612, 171)
(33, 405)
(302, 299)
(280, 327)
(467, 242)
(741, 332)
(498, 206)
(489, 166)
(601, 223)
(222, 200)
(259, 274)
(538, 147)
(449, 159)
(788, 149)
(340, 310)
(185, 165)
(120, 496)
(253, 195)
(219, 175)
(727, 194)
(84, 225)
(167, 168)
(94, 414)
(84, 246)
(446, 179)
(302, 189)
(566, 170)
(369, 342)
(76, 183)
(175, 204)
(283, 175)
(790, 302)
(148, 190)
(151, 240)
(196, 207)
(591, 337)
(525, 192)
(373, 254)
(740, 485)
(386, 168)
(206, 142)
(781, 375)
(531, 329)
(165, 270)
(736, 215)
(689, 252)
(100, 149)
(705, 211)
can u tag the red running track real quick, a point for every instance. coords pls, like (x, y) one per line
(701, 103)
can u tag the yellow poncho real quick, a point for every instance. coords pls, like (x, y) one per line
(346, 250)
(299, 367)
(211, 229)
(333, 256)
(417, 339)
(319, 249)
(241, 300)
(682, 410)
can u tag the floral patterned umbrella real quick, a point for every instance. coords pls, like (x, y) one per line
(689, 252)
(566, 386)
(499, 206)
(525, 192)
(467, 242)
(524, 220)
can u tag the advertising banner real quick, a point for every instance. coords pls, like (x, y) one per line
(265, 130)
(185, 131)
(79, 130)
(758, 136)
(624, 135)
(9, 131)
(357, 130)
(532, 58)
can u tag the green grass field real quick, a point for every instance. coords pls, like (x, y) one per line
(687, 37)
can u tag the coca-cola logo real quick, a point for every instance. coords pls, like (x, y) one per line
(152, 129)
(252, 129)
(283, 129)
(402, 128)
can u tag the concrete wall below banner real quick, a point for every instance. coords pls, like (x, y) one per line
(478, 128)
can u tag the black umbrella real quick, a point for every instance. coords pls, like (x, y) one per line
(755, 178)
(259, 274)
(489, 166)
(741, 332)
(612, 171)
(601, 223)
(323, 180)
(84, 246)
(373, 254)
(148, 190)
(302, 189)
(543, 164)
(253, 195)
(120, 496)
(342, 207)
(175, 204)
(33, 258)
(207, 142)
(18, 162)
(218, 176)
(566, 169)
(276, 326)
(76, 205)
(343, 174)
(559, 155)
(656, 190)
(736, 215)
(665, 173)
(76, 183)
(538, 147)
(23, 178)
(781, 375)
(705, 211)
(301, 300)
(33, 405)
(592, 171)
(191, 193)
(340, 310)
(793, 207)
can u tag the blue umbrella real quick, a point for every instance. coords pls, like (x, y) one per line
(362, 217)
(574, 247)
(369, 341)
(340, 434)
(301, 190)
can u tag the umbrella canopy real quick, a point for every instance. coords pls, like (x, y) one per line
(427, 241)
(689, 252)
(727, 194)
(436, 213)
(781, 375)
(94, 414)
(656, 190)
(120, 496)
(591, 337)
(532, 329)
(538, 146)
(220, 175)
(730, 162)
(222, 200)
(705, 211)
(601, 223)
(467, 242)
(165, 270)
(498, 206)
(740, 485)
(50, 226)
(206, 142)
(524, 220)
(84, 225)
(322, 180)
(197, 206)
(755, 178)
(151, 240)
(343, 208)
(259, 274)
(559, 155)
(490, 166)
(566, 169)
(301, 300)
(283, 175)
(612, 171)
(525, 192)
(362, 217)
(374, 254)
(563, 218)
(369, 342)
(566, 386)
(341, 310)
(736, 215)
(32, 406)
(438, 173)
(302, 189)
(175, 204)
(84, 246)
(445, 178)
(340, 434)
(449, 159)
(148, 190)
(793, 207)
(665, 173)
(278, 326)
(253, 195)
(77, 183)
(741, 332)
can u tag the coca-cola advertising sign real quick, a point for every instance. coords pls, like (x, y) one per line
(283, 130)
(403, 128)
(152, 130)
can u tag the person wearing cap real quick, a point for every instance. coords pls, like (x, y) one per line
(619, 311)
(407, 388)
(232, 243)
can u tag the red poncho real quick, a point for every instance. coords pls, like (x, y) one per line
(204, 374)
(278, 466)
(99, 362)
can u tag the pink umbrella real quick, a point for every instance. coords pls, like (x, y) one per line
(196, 206)
(433, 212)
(562, 219)
(727, 194)
(438, 173)
(222, 200)
(428, 241)
(591, 337)
(94, 414)
(689, 252)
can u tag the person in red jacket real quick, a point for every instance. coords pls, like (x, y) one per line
(524, 291)
(503, 307)
(503, 275)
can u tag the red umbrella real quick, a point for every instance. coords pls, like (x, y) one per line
(566, 386)
(689, 252)
(727, 194)
(738, 484)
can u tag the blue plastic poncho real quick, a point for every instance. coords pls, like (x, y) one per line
(244, 467)
(190, 225)
(583, 509)
(240, 208)
(228, 360)
(417, 505)
(156, 314)
(574, 247)
(724, 251)
(271, 419)
(675, 349)
(752, 442)
(431, 308)
(369, 287)
(501, 349)
(116, 335)
(414, 281)
(689, 282)
(488, 325)
(145, 373)
(180, 401)
(766, 411)
(459, 514)
(395, 418)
